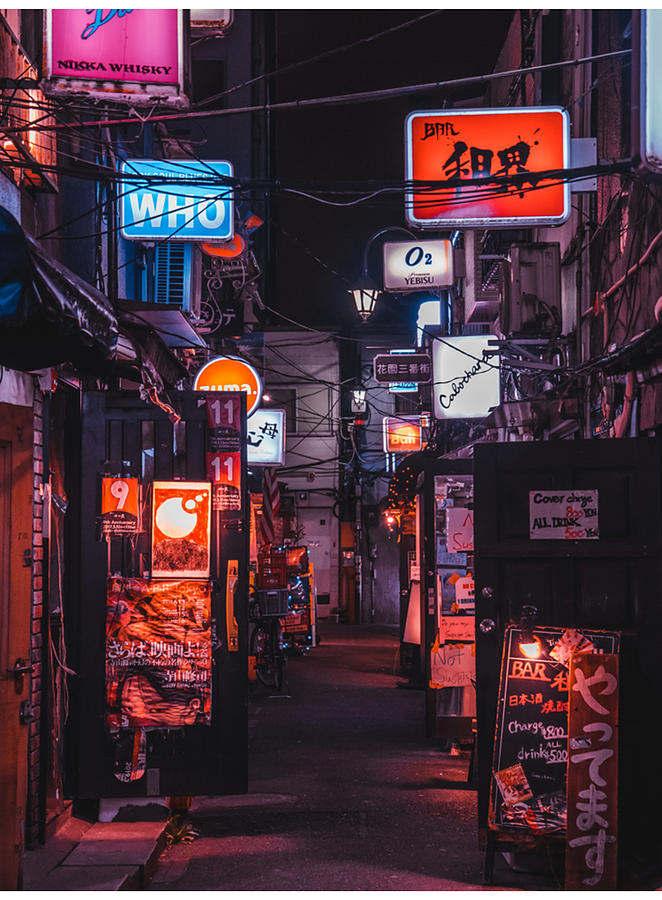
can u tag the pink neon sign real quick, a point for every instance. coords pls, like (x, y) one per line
(139, 45)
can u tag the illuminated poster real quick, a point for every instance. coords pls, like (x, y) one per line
(119, 506)
(158, 653)
(181, 528)
(501, 154)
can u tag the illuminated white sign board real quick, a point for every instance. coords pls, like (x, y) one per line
(651, 89)
(415, 266)
(266, 438)
(465, 385)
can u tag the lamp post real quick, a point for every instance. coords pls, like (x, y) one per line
(365, 295)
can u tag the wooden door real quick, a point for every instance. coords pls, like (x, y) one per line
(16, 477)
(125, 435)
(613, 582)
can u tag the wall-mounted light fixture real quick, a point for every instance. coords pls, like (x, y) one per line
(529, 644)
(365, 294)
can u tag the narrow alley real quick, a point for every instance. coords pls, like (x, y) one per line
(345, 793)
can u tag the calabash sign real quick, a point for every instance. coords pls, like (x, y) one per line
(230, 373)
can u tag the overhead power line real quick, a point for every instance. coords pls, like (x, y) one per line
(340, 99)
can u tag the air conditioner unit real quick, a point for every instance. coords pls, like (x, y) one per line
(532, 301)
(482, 282)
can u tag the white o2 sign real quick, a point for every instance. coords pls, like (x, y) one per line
(417, 266)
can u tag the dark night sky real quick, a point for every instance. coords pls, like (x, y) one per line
(362, 141)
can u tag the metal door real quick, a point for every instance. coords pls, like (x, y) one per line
(610, 583)
(127, 436)
(16, 478)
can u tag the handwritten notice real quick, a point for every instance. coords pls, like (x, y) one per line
(457, 628)
(459, 530)
(591, 846)
(563, 515)
(453, 665)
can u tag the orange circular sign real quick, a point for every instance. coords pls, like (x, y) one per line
(230, 373)
(227, 249)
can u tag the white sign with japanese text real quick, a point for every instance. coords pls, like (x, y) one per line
(266, 437)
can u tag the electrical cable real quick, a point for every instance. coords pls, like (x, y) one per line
(315, 59)
(363, 96)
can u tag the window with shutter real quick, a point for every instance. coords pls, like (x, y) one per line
(172, 274)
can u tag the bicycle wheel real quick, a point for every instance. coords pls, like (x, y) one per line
(261, 649)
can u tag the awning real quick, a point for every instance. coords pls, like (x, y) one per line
(168, 322)
(48, 314)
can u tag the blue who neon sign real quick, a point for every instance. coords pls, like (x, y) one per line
(187, 200)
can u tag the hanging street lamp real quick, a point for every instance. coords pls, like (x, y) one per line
(364, 300)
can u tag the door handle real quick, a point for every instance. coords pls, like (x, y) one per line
(21, 668)
(231, 624)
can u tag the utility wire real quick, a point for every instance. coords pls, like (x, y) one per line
(315, 59)
(360, 97)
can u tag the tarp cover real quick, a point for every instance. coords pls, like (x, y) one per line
(48, 315)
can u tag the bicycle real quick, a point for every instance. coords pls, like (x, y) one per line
(266, 645)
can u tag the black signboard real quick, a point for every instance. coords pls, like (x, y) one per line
(528, 790)
(400, 367)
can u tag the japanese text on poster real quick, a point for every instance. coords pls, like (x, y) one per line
(158, 653)
(591, 847)
(531, 742)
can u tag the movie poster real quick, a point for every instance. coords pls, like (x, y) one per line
(181, 528)
(158, 653)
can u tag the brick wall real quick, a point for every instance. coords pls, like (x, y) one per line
(35, 748)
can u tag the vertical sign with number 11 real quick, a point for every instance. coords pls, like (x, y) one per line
(224, 450)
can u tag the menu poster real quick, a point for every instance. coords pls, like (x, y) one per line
(158, 653)
(528, 789)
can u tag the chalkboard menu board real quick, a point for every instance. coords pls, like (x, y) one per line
(528, 789)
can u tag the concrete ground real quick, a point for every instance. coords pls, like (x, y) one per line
(345, 792)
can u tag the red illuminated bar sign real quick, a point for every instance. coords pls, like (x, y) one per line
(403, 435)
(507, 149)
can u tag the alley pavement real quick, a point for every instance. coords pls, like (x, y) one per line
(345, 794)
(345, 791)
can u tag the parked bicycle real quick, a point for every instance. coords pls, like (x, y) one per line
(266, 643)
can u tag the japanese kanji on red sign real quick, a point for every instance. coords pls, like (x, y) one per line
(519, 154)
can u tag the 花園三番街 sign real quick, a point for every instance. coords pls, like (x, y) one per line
(563, 515)
(400, 367)
(511, 159)
(187, 200)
